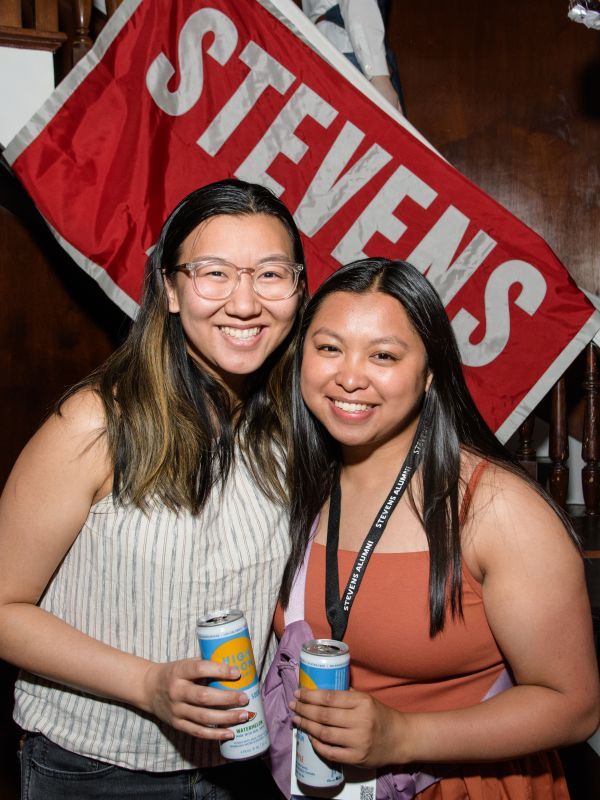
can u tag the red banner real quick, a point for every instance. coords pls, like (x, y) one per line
(177, 94)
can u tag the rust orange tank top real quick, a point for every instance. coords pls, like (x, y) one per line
(395, 660)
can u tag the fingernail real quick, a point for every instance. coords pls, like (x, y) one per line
(292, 705)
(244, 716)
(234, 674)
(243, 700)
(297, 693)
(229, 735)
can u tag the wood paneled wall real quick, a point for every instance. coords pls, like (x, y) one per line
(509, 92)
(55, 327)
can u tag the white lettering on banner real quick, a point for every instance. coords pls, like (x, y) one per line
(327, 192)
(334, 185)
(160, 72)
(264, 71)
(497, 313)
(379, 215)
(434, 253)
(280, 137)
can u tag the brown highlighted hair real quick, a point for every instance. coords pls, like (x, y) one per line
(171, 427)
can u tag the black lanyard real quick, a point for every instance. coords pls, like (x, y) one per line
(338, 609)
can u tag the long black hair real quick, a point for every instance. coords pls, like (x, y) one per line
(454, 423)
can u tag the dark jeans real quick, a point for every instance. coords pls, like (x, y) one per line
(48, 772)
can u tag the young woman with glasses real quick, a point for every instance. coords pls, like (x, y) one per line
(152, 496)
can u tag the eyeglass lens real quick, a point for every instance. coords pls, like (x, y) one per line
(272, 280)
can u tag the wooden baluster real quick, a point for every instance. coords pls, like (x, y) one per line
(82, 11)
(590, 474)
(46, 15)
(526, 454)
(559, 443)
(10, 14)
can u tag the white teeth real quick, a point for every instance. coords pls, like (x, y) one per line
(240, 333)
(351, 407)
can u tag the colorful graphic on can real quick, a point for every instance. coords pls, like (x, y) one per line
(324, 664)
(223, 636)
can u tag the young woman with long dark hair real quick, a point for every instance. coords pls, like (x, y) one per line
(153, 495)
(465, 607)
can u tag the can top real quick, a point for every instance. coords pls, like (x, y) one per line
(220, 617)
(325, 647)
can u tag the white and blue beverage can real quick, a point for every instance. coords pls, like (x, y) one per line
(223, 636)
(324, 664)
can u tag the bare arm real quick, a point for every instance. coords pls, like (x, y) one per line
(384, 86)
(60, 474)
(537, 606)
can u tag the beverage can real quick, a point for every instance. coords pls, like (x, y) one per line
(223, 636)
(324, 664)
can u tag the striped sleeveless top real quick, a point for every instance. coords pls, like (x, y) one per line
(138, 581)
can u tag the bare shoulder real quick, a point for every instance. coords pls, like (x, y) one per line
(62, 471)
(71, 444)
(468, 463)
(509, 519)
(503, 497)
(82, 413)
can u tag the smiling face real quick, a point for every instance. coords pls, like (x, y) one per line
(232, 338)
(364, 370)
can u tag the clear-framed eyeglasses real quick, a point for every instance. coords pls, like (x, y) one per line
(215, 279)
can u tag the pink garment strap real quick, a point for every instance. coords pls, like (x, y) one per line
(295, 609)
